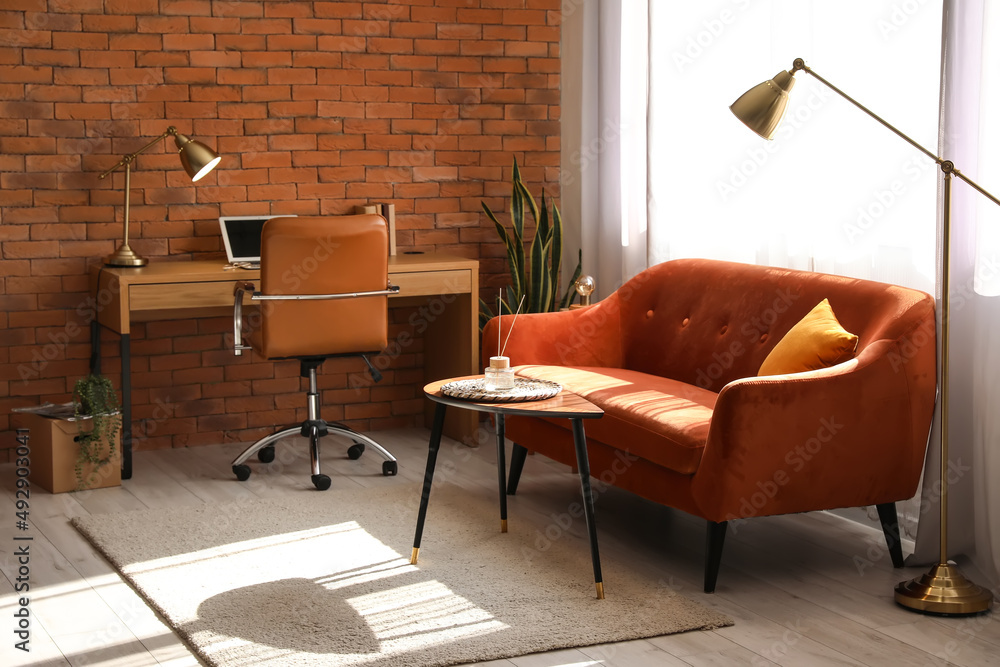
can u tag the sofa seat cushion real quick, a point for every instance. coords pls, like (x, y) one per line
(658, 419)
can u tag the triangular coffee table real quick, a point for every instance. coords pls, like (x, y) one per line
(564, 404)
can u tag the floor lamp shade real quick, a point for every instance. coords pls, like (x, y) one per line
(197, 160)
(762, 107)
(943, 590)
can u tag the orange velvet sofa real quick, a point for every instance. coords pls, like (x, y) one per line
(672, 357)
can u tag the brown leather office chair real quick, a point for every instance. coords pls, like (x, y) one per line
(323, 293)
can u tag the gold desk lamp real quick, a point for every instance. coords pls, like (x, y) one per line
(943, 590)
(197, 160)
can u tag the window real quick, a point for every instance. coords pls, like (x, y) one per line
(834, 191)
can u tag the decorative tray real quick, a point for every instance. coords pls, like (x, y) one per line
(525, 389)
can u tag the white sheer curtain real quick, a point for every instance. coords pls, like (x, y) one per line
(834, 192)
(605, 60)
(969, 137)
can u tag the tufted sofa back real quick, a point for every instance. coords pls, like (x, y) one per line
(709, 322)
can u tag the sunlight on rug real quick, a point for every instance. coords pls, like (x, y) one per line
(325, 581)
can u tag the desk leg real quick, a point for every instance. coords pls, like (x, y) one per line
(95, 369)
(451, 349)
(425, 496)
(126, 406)
(502, 472)
(583, 463)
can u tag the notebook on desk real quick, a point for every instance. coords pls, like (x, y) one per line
(241, 236)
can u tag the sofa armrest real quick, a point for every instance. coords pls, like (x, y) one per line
(588, 336)
(850, 435)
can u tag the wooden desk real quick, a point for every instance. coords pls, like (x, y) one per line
(445, 286)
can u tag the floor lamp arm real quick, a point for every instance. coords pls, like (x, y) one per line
(799, 64)
(946, 165)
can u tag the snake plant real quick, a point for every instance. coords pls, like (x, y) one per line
(535, 275)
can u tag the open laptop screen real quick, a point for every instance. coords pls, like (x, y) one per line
(241, 235)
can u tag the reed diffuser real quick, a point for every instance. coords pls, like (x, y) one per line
(499, 374)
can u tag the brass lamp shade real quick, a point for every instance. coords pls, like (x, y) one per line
(196, 158)
(762, 107)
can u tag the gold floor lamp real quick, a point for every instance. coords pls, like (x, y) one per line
(197, 160)
(943, 590)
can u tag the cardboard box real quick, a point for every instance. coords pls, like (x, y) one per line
(54, 451)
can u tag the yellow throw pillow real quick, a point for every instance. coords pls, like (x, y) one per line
(816, 341)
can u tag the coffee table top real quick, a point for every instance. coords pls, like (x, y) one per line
(564, 404)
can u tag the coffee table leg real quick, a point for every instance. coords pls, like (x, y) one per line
(432, 454)
(502, 472)
(583, 463)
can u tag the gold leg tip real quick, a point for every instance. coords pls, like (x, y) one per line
(600, 590)
(503, 525)
(413, 555)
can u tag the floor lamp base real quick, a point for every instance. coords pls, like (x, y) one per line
(943, 590)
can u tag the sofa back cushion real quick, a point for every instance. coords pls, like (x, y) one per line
(709, 322)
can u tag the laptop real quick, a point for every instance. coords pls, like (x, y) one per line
(241, 235)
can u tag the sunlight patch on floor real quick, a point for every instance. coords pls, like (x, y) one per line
(427, 608)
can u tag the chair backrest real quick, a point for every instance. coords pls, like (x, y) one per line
(323, 255)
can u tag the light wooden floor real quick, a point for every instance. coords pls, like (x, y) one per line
(809, 589)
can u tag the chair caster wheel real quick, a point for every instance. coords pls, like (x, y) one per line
(389, 468)
(321, 482)
(242, 472)
(266, 455)
(355, 451)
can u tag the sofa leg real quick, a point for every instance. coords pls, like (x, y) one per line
(890, 527)
(517, 456)
(713, 553)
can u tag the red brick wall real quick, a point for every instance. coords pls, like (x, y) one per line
(316, 107)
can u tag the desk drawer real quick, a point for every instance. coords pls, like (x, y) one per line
(423, 283)
(166, 296)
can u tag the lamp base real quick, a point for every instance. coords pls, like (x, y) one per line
(125, 256)
(943, 590)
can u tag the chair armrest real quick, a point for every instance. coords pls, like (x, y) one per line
(850, 435)
(589, 336)
(242, 287)
(390, 290)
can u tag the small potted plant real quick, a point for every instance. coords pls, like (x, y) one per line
(97, 407)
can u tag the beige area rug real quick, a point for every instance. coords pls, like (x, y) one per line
(325, 579)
